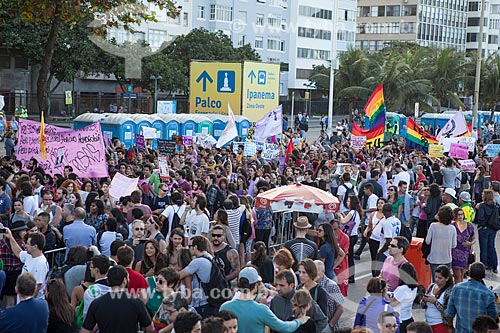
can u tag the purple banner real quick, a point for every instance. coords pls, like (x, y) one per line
(83, 149)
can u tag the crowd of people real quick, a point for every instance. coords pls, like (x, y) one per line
(191, 252)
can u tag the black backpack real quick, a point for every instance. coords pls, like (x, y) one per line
(348, 193)
(405, 232)
(493, 221)
(246, 229)
(218, 289)
(176, 220)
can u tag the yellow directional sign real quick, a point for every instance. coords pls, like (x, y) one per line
(214, 85)
(261, 83)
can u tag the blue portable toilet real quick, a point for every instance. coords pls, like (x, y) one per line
(243, 124)
(87, 119)
(219, 122)
(189, 126)
(172, 126)
(158, 124)
(205, 125)
(120, 126)
(142, 120)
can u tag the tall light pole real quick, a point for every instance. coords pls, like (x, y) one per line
(156, 78)
(309, 87)
(333, 67)
(478, 66)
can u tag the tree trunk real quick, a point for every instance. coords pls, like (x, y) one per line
(42, 84)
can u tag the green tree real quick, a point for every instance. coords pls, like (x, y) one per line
(57, 14)
(489, 93)
(200, 44)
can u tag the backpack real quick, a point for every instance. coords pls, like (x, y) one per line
(493, 221)
(246, 229)
(176, 220)
(218, 289)
(405, 232)
(58, 272)
(348, 192)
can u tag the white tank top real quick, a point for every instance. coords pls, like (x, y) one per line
(377, 228)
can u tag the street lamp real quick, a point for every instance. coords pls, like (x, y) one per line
(333, 66)
(156, 78)
(309, 87)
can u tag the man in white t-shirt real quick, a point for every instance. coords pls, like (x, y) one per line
(343, 189)
(195, 219)
(401, 175)
(391, 227)
(177, 208)
(34, 261)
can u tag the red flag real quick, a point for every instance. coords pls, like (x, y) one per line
(289, 150)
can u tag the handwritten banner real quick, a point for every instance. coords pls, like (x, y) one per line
(467, 165)
(459, 150)
(492, 150)
(250, 149)
(358, 142)
(83, 149)
(436, 151)
(270, 151)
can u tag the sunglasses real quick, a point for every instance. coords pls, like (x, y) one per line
(393, 245)
(216, 235)
(139, 229)
(160, 281)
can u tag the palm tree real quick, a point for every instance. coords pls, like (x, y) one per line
(489, 94)
(446, 72)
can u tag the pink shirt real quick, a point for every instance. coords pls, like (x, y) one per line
(390, 272)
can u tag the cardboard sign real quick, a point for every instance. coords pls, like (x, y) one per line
(149, 133)
(459, 150)
(270, 151)
(250, 149)
(469, 141)
(162, 162)
(467, 165)
(166, 147)
(187, 140)
(436, 151)
(358, 142)
(139, 142)
(492, 150)
(122, 186)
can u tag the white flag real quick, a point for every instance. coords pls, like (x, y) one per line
(230, 132)
(271, 124)
(456, 126)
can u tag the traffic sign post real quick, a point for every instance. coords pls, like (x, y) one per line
(214, 85)
(261, 83)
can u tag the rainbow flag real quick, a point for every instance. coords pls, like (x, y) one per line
(375, 108)
(374, 136)
(43, 148)
(416, 137)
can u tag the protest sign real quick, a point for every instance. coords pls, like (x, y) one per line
(358, 142)
(492, 150)
(259, 146)
(187, 140)
(467, 165)
(83, 148)
(436, 151)
(163, 164)
(236, 145)
(206, 141)
(469, 141)
(139, 142)
(166, 147)
(459, 150)
(122, 186)
(270, 151)
(60, 156)
(250, 149)
(149, 133)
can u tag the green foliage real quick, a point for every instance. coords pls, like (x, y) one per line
(409, 73)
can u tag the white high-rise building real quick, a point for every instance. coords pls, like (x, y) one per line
(491, 27)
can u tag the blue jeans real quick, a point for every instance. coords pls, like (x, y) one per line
(488, 253)
(2, 280)
(434, 266)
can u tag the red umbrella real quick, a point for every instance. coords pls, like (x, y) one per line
(298, 198)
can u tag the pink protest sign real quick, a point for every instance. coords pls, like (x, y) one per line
(187, 140)
(83, 148)
(459, 150)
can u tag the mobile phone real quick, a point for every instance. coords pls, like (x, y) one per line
(3, 231)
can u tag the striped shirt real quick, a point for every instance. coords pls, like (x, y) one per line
(234, 219)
